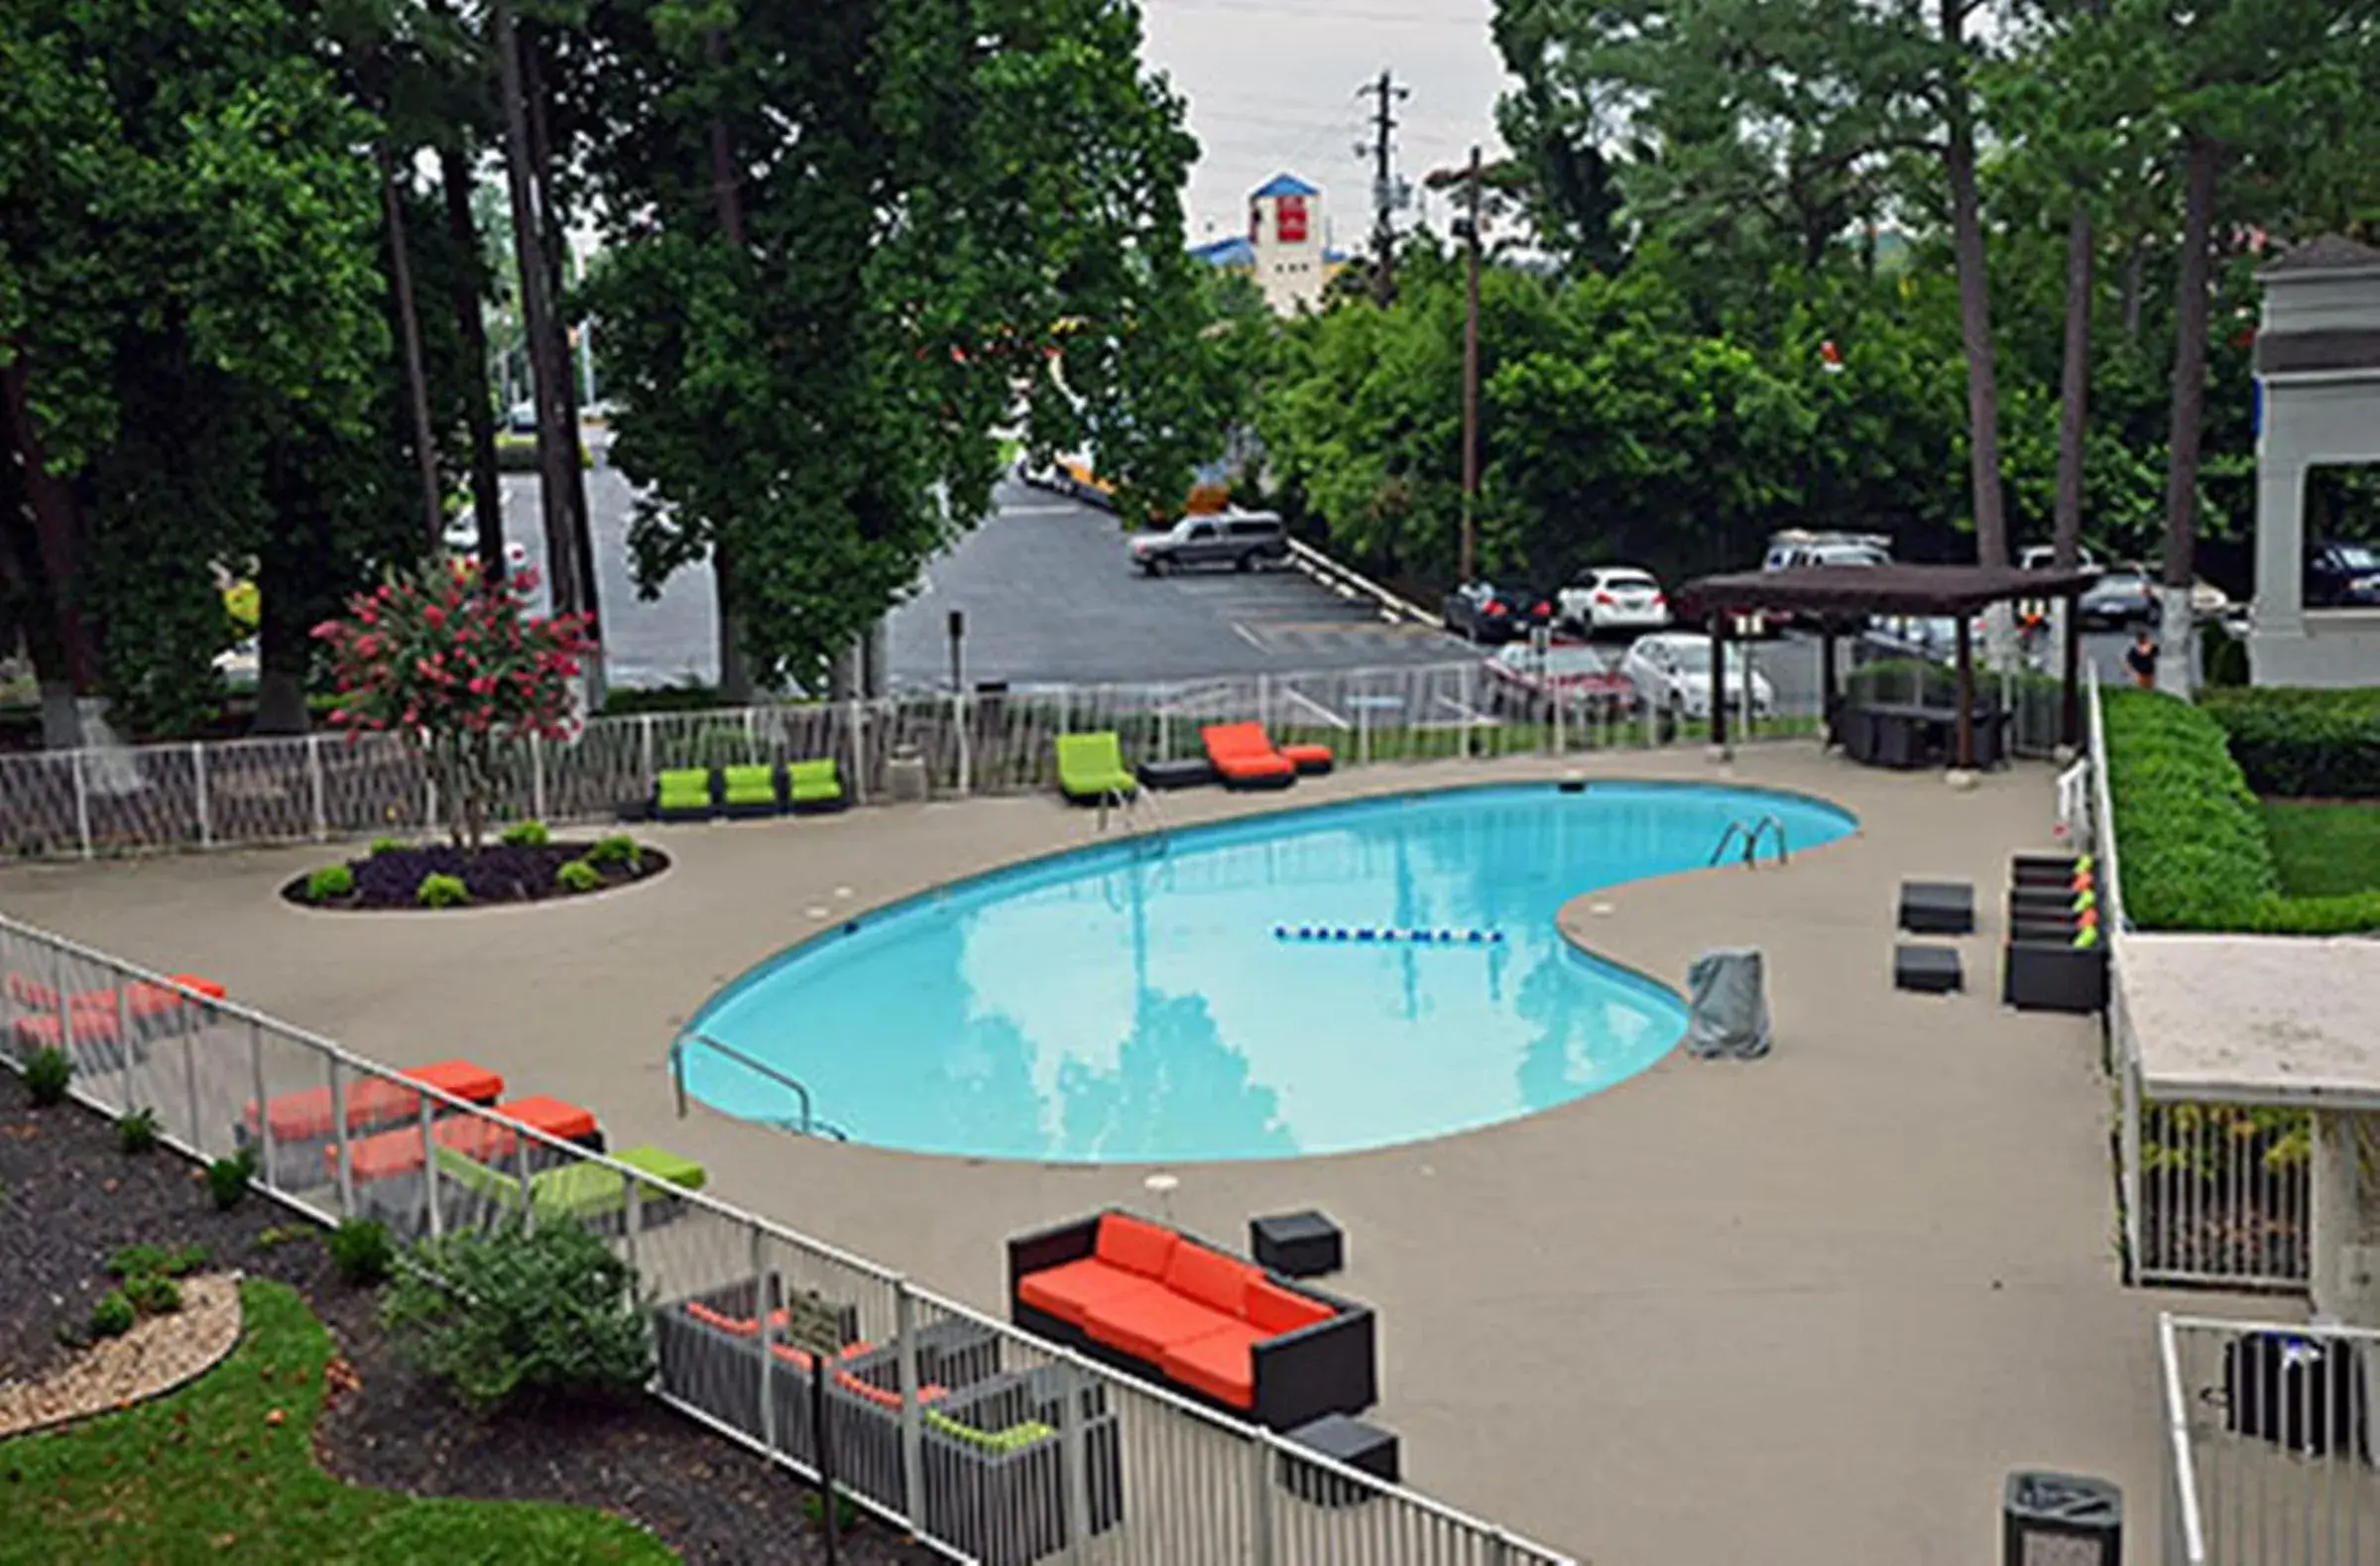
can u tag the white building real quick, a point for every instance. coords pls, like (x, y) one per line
(1284, 250)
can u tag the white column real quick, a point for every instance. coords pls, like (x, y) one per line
(2280, 539)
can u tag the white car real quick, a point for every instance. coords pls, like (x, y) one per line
(1612, 599)
(1672, 674)
(462, 541)
(2043, 557)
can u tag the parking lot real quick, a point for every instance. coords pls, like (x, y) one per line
(1051, 598)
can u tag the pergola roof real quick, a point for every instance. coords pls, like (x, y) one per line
(1879, 589)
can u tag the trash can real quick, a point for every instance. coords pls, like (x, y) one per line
(2060, 1519)
(904, 774)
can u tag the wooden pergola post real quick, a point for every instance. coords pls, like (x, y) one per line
(1965, 746)
(1719, 680)
(2069, 722)
(1826, 679)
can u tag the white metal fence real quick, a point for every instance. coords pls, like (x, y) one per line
(987, 1442)
(316, 788)
(2215, 1194)
(2269, 1443)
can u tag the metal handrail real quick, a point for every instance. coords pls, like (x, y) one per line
(808, 1125)
(1751, 836)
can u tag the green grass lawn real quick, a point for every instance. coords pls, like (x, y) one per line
(2325, 850)
(205, 1475)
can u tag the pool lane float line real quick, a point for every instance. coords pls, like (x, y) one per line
(1365, 934)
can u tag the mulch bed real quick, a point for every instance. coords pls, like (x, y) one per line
(498, 873)
(67, 1198)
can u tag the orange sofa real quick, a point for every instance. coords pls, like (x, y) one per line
(1246, 758)
(1170, 1308)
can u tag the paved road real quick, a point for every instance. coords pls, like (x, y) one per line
(1049, 599)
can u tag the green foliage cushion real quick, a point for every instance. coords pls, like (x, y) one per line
(1015, 1438)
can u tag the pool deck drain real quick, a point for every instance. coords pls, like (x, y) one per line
(1808, 1310)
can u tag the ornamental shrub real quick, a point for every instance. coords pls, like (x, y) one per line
(387, 845)
(527, 834)
(2302, 744)
(46, 1073)
(330, 881)
(458, 666)
(2193, 855)
(136, 1133)
(576, 875)
(361, 1251)
(514, 1309)
(617, 849)
(113, 1316)
(228, 1179)
(152, 1293)
(441, 892)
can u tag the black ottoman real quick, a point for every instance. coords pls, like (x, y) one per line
(1297, 1245)
(1189, 772)
(1361, 1446)
(1929, 970)
(1938, 907)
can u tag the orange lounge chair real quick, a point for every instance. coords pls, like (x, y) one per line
(1244, 759)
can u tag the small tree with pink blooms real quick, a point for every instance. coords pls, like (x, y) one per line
(456, 665)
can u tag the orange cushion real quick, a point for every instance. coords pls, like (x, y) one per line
(41, 1032)
(880, 1397)
(738, 1327)
(1135, 1244)
(565, 1121)
(800, 1358)
(1145, 1326)
(1308, 754)
(1272, 764)
(1210, 1277)
(1220, 1364)
(1069, 1292)
(1236, 739)
(1272, 1309)
(465, 1079)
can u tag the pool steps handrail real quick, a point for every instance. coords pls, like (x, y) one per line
(1752, 832)
(807, 1123)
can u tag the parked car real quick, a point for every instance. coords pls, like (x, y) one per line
(1241, 540)
(1796, 548)
(1671, 672)
(1612, 599)
(522, 418)
(2043, 557)
(1484, 612)
(2342, 576)
(1933, 638)
(2119, 600)
(462, 543)
(1071, 475)
(1525, 683)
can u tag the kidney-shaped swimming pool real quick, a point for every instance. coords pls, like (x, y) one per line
(1312, 981)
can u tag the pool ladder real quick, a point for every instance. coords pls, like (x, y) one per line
(1751, 832)
(804, 1122)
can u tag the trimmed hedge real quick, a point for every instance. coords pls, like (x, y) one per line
(2302, 744)
(2195, 856)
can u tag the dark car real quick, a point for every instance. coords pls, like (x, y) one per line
(2342, 576)
(2117, 601)
(1483, 611)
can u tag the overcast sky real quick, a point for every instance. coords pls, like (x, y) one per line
(1273, 86)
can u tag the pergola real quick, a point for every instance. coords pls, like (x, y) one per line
(1833, 593)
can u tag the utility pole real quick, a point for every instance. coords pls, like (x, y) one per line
(1385, 93)
(1469, 229)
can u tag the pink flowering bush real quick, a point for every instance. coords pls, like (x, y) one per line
(457, 665)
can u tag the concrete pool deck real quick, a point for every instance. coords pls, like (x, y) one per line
(1806, 1309)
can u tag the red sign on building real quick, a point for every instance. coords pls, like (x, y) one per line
(1292, 220)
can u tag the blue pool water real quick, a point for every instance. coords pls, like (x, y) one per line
(1132, 1001)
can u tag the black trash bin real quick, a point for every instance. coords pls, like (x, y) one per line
(2060, 1519)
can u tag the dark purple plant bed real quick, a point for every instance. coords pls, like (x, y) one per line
(495, 875)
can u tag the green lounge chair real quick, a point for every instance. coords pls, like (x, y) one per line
(685, 793)
(815, 786)
(1091, 769)
(748, 792)
(586, 1193)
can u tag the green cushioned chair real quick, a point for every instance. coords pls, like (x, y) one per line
(586, 1193)
(493, 1186)
(1091, 769)
(685, 793)
(746, 791)
(815, 785)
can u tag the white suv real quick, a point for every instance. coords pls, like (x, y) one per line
(1672, 674)
(1613, 598)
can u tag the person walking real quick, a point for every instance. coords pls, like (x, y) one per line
(2141, 658)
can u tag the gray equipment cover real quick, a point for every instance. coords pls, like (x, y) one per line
(1729, 1005)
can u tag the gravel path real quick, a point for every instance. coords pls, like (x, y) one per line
(67, 1198)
